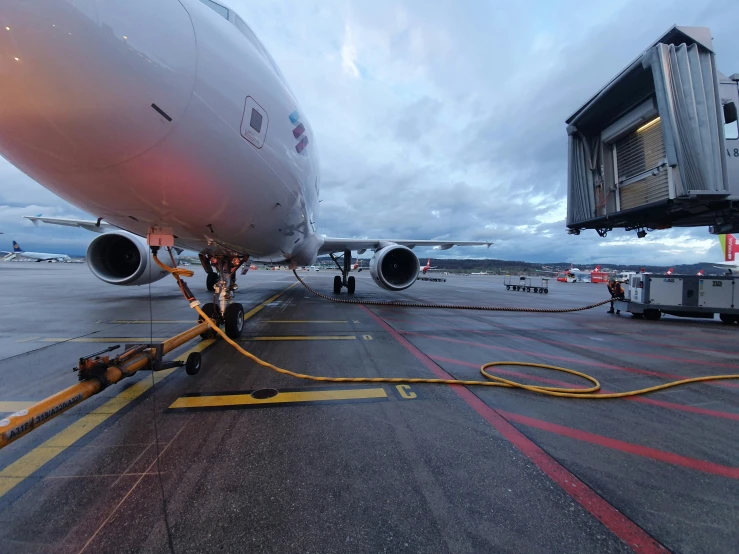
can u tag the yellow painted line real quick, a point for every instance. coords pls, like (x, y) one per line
(107, 339)
(11, 406)
(259, 308)
(280, 398)
(303, 337)
(28, 339)
(302, 321)
(155, 322)
(27, 464)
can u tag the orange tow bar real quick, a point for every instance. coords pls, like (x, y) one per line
(20, 423)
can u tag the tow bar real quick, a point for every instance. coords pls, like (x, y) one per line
(96, 372)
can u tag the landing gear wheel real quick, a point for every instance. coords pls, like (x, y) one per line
(337, 284)
(193, 363)
(233, 317)
(211, 311)
(350, 285)
(210, 281)
(652, 315)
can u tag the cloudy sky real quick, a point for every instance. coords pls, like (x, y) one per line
(446, 119)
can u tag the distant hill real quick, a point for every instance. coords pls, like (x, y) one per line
(504, 267)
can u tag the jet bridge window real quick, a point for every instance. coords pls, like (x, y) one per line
(220, 10)
(731, 125)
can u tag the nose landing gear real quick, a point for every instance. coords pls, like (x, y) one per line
(222, 282)
(344, 281)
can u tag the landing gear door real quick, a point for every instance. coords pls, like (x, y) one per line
(254, 123)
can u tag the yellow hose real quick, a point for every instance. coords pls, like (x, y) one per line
(493, 380)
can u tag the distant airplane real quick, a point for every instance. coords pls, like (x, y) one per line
(38, 256)
(425, 268)
(728, 247)
(700, 273)
(669, 271)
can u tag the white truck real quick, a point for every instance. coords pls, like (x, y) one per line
(649, 296)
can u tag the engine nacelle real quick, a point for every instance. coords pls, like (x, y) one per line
(121, 258)
(394, 267)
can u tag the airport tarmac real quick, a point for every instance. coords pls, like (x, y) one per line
(168, 462)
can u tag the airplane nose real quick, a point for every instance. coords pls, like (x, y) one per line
(91, 83)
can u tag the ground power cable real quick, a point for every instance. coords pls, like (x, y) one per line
(170, 540)
(491, 380)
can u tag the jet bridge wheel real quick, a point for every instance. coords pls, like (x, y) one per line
(211, 280)
(337, 284)
(233, 317)
(351, 285)
(213, 313)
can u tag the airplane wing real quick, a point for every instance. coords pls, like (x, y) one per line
(90, 225)
(331, 245)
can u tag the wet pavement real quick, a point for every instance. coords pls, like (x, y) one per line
(169, 462)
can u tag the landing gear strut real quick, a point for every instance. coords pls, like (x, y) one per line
(212, 278)
(222, 282)
(344, 280)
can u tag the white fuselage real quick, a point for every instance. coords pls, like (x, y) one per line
(83, 86)
(42, 256)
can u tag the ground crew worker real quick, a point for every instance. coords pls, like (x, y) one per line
(617, 293)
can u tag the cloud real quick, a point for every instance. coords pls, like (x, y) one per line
(447, 119)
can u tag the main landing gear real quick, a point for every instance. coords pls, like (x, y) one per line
(344, 280)
(222, 282)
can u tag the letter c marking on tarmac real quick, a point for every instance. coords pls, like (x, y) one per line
(405, 391)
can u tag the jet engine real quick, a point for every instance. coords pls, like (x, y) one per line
(394, 267)
(121, 258)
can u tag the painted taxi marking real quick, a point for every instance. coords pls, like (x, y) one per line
(300, 337)
(145, 340)
(292, 397)
(11, 406)
(301, 321)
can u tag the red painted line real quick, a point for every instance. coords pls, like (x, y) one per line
(565, 359)
(623, 527)
(639, 354)
(644, 451)
(640, 342)
(640, 399)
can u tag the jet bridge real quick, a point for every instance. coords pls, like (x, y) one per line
(658, 146)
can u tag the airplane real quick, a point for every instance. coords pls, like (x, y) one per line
(669, 271)
(425, 268)
(729, 248)
(37, 256)
(178, 131)
(356, 267)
